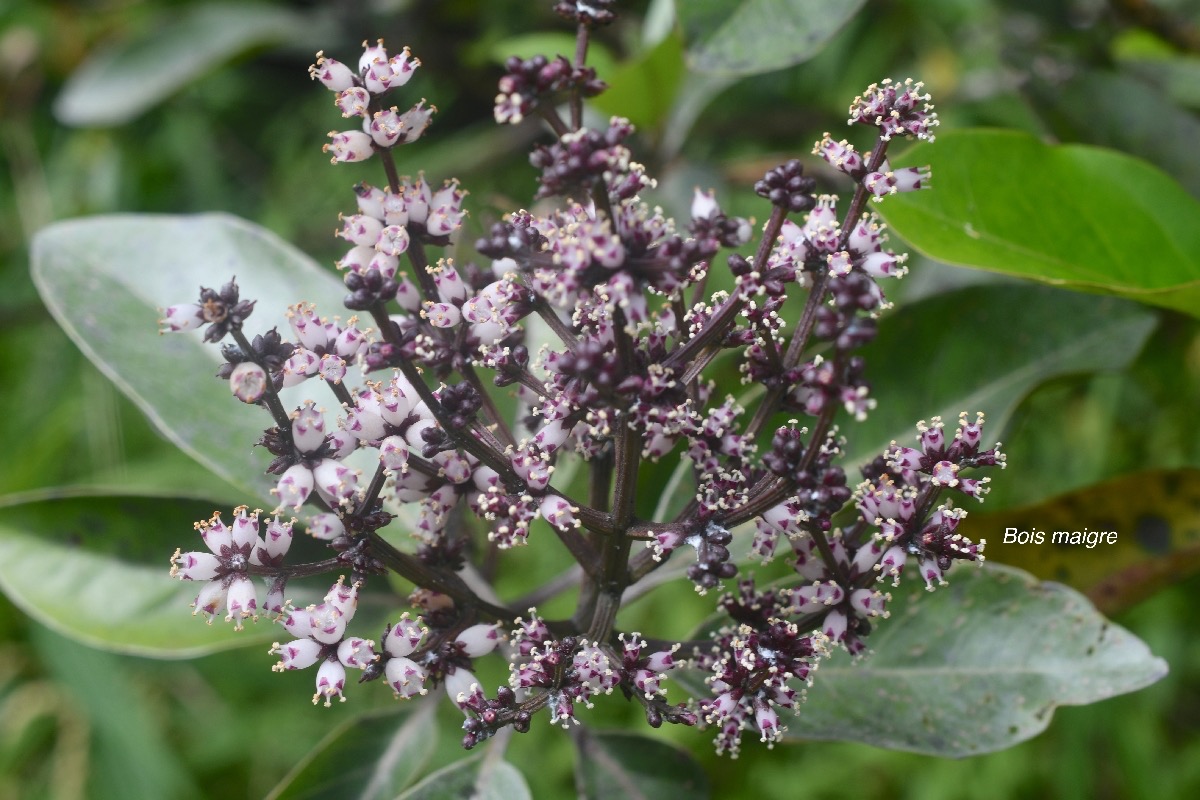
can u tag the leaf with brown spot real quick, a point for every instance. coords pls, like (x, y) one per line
(1156, 515)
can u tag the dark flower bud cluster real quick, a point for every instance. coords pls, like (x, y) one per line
(712, 557)
(222, 310)
(581, 157)
(786, 186)
(527, 83)
(516, 239)
(416, 435)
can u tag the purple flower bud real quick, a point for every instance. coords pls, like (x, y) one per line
(463, 687)
(299, 654)
(370, 200)
(479, 640)
(331, 681)
(403, 637)
(348, 146)
(244, 531)
(767, 722)
(358, 259)
(840, 155)
(308, 428)
(870, 602)
(360, 229)
(932, 437)
(335, 75)
(336, 482)
(211, 597)
(300, 366)
(393, 454)
(277, 540)
(441, 315)
(184, 317)
(356, 653)
(353, 102)
(386, 127)
(559, 513)
(309, 330)
(704, 204)
(294, 486)
(248, 382)
(408, 296)
(403, 65)
(931, 573)
(393, 240)
(884, 265)
(241, 601)
(835, 625)
(194, 566)
(406, 678)
(411, 125)
(332, 368)
(373, 55)
(327, 527)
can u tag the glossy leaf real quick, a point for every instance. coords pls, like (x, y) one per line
(105, 280)
(116, 85)
(95, 568)
(971, 668)
(746, 37)
(1079, 217)
(1116, 111)
(644, 90)
(476, 777)
(624, 766)
(1156, 516)
(371, 757)
(982, 349)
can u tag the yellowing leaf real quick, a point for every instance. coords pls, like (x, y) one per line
(1154, 515)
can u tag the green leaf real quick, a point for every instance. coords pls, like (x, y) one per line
(971, 668)
(105, 278)
(94, 568)
(128, 755)
(625, 766)
(371, 757)
(1084, 218)
(116, 85)
(1006, 340)
(476, 777)
(746, 37)
(643, 91)
(1116, 111)
(974, 667)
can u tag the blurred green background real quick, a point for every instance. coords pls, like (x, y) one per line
(240, 130)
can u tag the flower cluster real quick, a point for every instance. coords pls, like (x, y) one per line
(622, 292)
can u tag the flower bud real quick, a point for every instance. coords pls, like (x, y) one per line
(348, 146)
(248, 382)
(335, 75)
(183, 317)
(479, 640)
(294, 486)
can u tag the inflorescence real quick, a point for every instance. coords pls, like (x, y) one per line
(622, 289)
